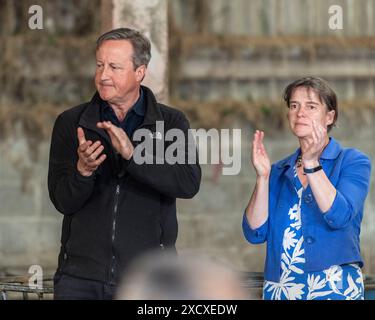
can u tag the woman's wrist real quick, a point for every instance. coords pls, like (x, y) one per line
(261, 179)
(309, 164)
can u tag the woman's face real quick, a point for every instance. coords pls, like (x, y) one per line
(304, 107)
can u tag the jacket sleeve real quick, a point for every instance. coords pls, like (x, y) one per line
(254, 236)
(178, 180)
(351, 191)
(68, 189)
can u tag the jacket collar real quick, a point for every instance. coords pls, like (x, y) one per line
(153, 112)
(330, 152)
(91, 115)
(138, 108)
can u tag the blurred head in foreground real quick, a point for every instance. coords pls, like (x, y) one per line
(166, 276)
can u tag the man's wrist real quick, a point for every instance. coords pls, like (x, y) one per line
(129, 154)
(84, 173)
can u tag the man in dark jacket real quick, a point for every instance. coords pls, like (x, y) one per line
(115, 207)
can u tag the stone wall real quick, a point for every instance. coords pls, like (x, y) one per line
(273, 17)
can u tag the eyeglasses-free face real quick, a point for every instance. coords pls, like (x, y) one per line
(304, 107)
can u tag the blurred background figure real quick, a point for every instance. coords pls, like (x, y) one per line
(188, 277)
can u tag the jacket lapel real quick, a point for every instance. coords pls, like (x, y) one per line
(287, 165)
(91, 116)
(329, 156)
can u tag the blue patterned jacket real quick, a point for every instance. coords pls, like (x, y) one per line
(330, 238)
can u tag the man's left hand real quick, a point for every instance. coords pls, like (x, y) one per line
(119, 139)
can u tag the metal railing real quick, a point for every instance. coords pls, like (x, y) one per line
(18, 287)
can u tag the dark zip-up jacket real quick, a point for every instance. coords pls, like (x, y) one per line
(125, 208)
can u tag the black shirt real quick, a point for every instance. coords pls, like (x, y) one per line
(133, 118)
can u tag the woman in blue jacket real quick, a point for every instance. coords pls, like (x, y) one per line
(309, 206)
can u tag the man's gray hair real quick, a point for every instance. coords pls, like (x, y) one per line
(141, 45)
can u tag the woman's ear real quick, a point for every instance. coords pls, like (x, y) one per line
(330, 117)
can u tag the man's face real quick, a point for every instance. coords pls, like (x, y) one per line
(304, 107)
(115, 78)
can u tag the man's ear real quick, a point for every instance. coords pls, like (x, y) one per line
(140, 72)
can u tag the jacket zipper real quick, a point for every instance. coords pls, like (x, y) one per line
(113, 257)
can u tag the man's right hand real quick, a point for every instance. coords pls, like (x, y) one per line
(89, 154)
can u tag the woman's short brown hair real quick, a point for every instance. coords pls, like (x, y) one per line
(325, 93)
